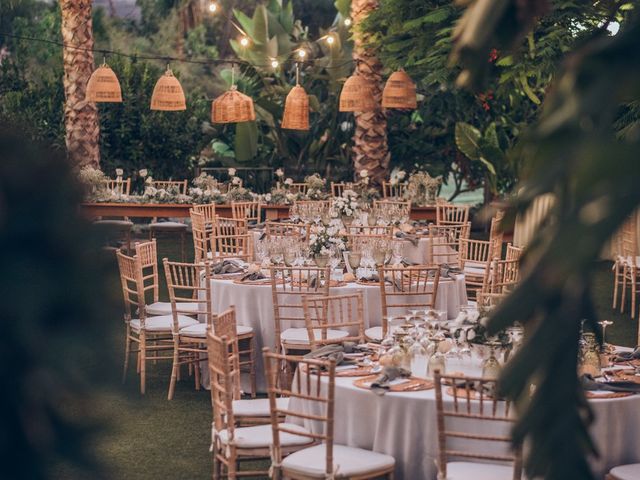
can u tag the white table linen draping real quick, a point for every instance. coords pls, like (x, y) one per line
(421, 252)
(254, 308)
(404, 425)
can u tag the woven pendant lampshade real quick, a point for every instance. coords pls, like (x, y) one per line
(232, 107)
(356, 95)
(103, 86)
(399, 92)
(296, 110)
(168, 95)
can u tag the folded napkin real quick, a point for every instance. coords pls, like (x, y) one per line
(588, 383)
(263, 235)
(407, 236)
(226, 266)
(448, 271)
(253, 276)
(627, 356)
(389, 373)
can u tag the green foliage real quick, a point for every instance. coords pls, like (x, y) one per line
(134, 137)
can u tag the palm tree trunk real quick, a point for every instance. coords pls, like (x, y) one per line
(370, 149)
(80, 117)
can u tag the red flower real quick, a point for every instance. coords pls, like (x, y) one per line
(493, 55)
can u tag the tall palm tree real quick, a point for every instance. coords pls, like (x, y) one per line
(370, 149)
(80, 117)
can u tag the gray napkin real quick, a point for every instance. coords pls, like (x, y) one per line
(407, 263)
(406, 236)
(627, 356)
(262, 236)
(389, 373)
(588, 383)
(253, 276)
(226, 266)
(448, 271)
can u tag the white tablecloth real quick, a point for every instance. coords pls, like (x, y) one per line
(404, 425)
(254, 307)
(421, 253)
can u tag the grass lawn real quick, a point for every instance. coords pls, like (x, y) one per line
(152, 438)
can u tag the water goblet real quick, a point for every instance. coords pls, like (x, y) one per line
(604, 324)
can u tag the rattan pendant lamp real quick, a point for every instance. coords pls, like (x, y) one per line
(296, 107)
(357, 95)
(103, 86)
(232, 106)
(168, 95)
(400, 92)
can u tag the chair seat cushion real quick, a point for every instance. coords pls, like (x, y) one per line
(347, 461)
(162, 323)
(478, 471)
(164, 308)
(475, 270)
(261, 436)
(374, 333)
(167, 226)
(301, 336)
(256, 407)
(626, 472)
(200, 330)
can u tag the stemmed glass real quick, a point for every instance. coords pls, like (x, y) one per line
(354, 259)
(604, 324)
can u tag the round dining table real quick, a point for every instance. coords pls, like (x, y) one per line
(254, 307)
(403, 424)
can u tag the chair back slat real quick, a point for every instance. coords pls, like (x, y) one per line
(131, 282)
(201, 245)
(444, 242)
(179, 186)
(335, 312)
(146, 254)
(404, 288)
(393, 190)
(247, 211)
(232, 239)
(474, 410)
(282, 230)
(450, 214)
(222, 373)
(118, 185)
(317, 391)
(188, 283)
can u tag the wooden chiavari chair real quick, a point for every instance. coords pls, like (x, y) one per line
(250, 212)
(167, 226)
(631, 270)
(118, 229)
(337, 188)
(513, 253)
(153, 335)
(362, 241)
(475, 261)
(404, 288)
(444, 243)
(488, 300)
(225, 324)
(378, 230)
(201, 243)
(288, 286)
(146, 254)
(323, 458)
(336, 312)
(209, 212)
(450, 214)
(404, 207)
(188, 284)
(502, 277)
(118, 185)
(286, 230)
(473, 410)
(230, 444)
(231, 239)
(298, 188)
(393, 190)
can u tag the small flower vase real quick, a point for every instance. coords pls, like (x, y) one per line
(321, 260)
(346, 220)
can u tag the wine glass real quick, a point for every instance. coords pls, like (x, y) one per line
(604, 324)
(354, 259)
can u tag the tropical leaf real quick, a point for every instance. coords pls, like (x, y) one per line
(246, 141)
(468, 140)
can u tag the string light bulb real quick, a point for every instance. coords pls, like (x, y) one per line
(302, 53)
(330, 39)
(274, 63)
(213, 7)
(244, 41)
(347, 22)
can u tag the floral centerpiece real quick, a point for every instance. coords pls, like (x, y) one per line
(397, 176)
(205, 190)
(422, 189)
(94, 183)
(281, 194)
(315, 187)
(240, 194)
(322, 239)
(364, 191)
(345, 206)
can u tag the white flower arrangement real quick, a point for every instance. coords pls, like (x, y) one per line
(280, 173)
(364, 173)
(346, 205)
(288, 182)
(231, 172)
(322, 239)
(236, 181)
(143, 172)
(397, 176)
